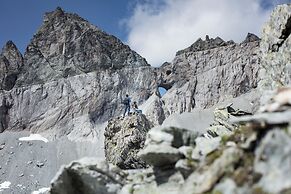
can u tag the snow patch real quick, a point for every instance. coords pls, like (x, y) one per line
(5, 185)
(42, 190)
(34, 137)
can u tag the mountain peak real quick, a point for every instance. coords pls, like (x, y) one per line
(67, 45)
(57, 13)
(59, 10)
(208, 43)
(9, 46)
(251, 38)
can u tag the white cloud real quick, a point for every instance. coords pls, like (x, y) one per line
(158, 29)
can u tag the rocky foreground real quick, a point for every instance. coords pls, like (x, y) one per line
(68, 86)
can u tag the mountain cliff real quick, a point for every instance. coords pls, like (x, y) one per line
(208, 72)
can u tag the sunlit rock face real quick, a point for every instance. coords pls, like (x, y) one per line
(209, 71)
(275, 47)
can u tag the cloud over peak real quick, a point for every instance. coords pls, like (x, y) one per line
(159, 28)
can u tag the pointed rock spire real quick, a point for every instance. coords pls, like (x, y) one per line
(11, 62)
(251, 38)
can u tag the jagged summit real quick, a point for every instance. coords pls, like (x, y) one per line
(9, 46)
(67, 45)
(251, 38)
(210, 43)
(59, 14)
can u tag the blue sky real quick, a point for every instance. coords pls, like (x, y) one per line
(156, 29)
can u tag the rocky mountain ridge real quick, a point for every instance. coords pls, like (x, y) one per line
(69, 62)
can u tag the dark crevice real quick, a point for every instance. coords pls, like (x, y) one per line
(285, 34)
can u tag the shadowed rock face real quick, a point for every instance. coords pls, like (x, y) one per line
(11, 62)
(67, 45)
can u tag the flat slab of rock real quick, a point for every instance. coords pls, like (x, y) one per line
(272, 118)
(159, 155)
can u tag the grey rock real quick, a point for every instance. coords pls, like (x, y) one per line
(160, 155)
(275, 48)
(185, 166)
(200, 45)
(251, 38)
(200, 79)
(163, 181)
(204, 180)
(204, 146)
(11, 62)
(124, 137)
(228, 186)
(153, 108)
(218, 130)
(39, 164)
(274, 118)
(186, 151)
(173, 136)
(66, 105)
(88, 176)
(272, 160)
(162, 143)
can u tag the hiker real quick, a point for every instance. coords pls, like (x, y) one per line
(126, 102)
(135, 108)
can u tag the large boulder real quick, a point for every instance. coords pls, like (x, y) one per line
(163, 143)
(124, 137)
(87, 175)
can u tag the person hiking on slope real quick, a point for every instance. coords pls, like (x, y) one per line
(126, 102)
(135, 108)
